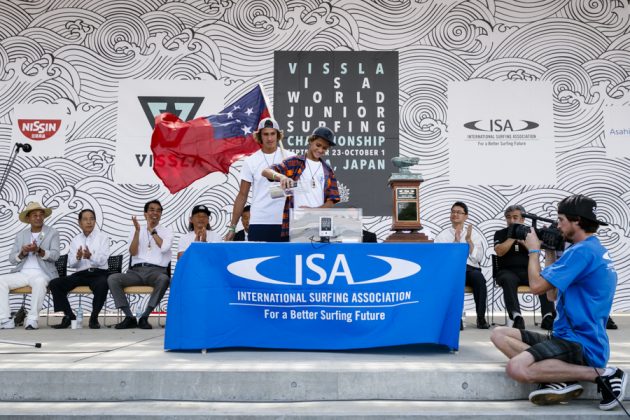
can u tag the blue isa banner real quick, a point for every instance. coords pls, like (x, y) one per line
(304, 296)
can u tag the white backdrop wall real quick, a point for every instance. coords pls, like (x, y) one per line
(74, 53)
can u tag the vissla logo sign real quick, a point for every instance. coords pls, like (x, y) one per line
(398, 269)
(38, 129)
(182, 106)
(500, 125)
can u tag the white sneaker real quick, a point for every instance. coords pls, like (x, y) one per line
(7, 324)
(31, 325)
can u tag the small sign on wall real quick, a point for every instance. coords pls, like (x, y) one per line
(496, 128)
(42, 127)
(617, 131)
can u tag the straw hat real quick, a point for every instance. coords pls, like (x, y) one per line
(33, 206)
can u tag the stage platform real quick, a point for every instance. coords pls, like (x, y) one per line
(109, 373)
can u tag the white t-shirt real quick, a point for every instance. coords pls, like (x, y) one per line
(31, 259)
(189, 238)
(264, 209)
(310, 191)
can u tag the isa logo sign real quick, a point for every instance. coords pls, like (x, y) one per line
(41, 126)
(617, 131)
(493, 127)
(139, 102)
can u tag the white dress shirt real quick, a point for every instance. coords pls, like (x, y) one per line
(474, 257)
(98, 244)
(189, 238)
(148, 251)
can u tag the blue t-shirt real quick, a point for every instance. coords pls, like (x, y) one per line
(586, 282)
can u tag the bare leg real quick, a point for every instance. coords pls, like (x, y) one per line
(523, 368)
(508, 341)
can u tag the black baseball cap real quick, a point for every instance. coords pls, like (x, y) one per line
(580, 205)
(200, 208)
(326, 134)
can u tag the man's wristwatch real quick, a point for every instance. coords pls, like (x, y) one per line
(153, 232)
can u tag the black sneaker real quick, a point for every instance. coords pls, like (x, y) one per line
(555, 393)
(612, 388)
(519, 322)
(610, 324)
(547, 322)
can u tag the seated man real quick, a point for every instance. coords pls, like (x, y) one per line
(583, 283)
(474, 277)
(198, 230)
(34, 253)
(243, 234)
(150, 249)
(88, 254)
(512, 257)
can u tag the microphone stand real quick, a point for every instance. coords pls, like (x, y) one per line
(27, 148)
(23, 146)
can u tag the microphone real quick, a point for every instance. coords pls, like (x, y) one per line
(24, 146)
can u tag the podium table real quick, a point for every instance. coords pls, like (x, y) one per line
(316, 296)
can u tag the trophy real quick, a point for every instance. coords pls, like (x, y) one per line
(405, 186)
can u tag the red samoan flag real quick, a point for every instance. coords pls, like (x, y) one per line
(183, 152)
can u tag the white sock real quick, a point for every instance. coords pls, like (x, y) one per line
(609, 371)
(515, 314)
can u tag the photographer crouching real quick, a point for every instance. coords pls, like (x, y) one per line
(583, 283)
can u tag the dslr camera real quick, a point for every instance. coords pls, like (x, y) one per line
(550, 236)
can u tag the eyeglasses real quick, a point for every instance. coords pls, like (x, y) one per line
(457, 212)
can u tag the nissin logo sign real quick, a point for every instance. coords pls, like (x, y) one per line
(500, 125)
(381, 268)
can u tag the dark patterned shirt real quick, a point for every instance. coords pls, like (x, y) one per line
(293, 168)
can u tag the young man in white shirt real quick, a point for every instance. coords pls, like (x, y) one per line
(198, 230)
(150, 249)
(266, 212)
(88, 255)
(34, 253)
(474, 278)
(317, 184)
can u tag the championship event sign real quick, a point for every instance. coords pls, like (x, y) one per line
(297, 296)
(355, 94)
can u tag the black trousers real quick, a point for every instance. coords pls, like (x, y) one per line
(476, 280)
(95, 279)
(509, 280)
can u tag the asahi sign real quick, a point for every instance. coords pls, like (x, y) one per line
(356, 95)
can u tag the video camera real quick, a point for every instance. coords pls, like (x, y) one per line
(550, 236)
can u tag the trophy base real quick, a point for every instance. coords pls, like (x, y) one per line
(413, 236)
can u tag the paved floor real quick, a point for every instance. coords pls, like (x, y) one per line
(107, 347)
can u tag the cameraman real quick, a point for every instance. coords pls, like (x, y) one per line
(584, 281)
(512, 261)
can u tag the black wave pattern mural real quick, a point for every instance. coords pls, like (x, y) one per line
(74, 53)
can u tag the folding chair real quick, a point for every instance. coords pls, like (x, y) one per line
(521, 290)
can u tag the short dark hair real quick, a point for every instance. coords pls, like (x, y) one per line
(462, 205)
(83, 211)
(589, 226)
(146, 206)
(247, 208)
(514, 207)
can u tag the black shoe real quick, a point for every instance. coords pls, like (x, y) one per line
(65, 323)
(94, 324)
(128, 322)
(555, 393)
(547, 322)
(610, 324)
(482, 324)
(519, 322)
(19, 317)
(612, 388)
(143, 323)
